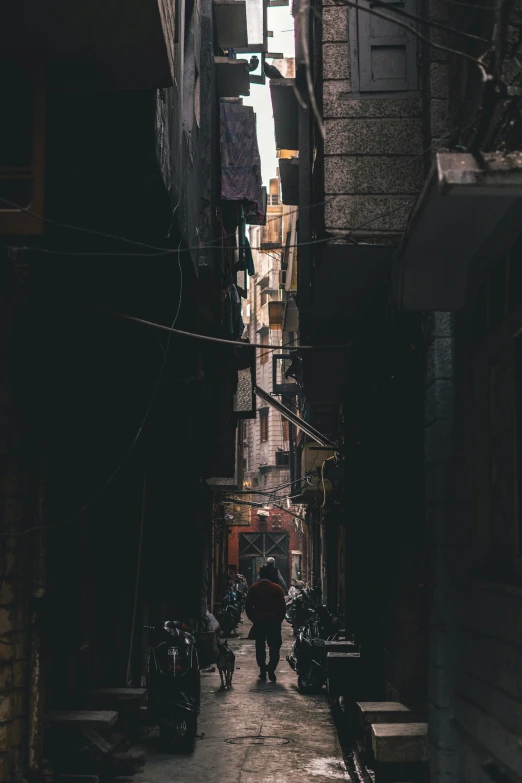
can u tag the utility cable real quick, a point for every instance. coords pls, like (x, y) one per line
(209, 338)
(390, 18)
(430, 22)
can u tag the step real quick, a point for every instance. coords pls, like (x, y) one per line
(342, 645)
(99, 720)
(343, 673)
(400, 743)
(369, 712)
(123, 694)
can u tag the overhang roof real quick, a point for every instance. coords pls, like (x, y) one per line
(285, 107)
(462, 204)
(289, 174)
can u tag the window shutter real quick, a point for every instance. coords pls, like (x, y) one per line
(387, 52)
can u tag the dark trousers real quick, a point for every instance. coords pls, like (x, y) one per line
(268, 633)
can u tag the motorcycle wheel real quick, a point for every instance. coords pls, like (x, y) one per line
(183, 742)
(306, 684)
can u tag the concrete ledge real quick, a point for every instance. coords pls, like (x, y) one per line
(79, 719)
(343, 673)
(400, 743)
(373, 712)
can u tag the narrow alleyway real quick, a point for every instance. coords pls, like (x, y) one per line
(255, 732)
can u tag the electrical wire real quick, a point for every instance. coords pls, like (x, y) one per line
(260, 505)
(430, 22)
(124, 460)
(209, 338)
(390, 18)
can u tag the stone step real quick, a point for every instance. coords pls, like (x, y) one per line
(343, 673)
(99, 720)
(119, 694)
(400, 743)
(342, 645)
(369, 712)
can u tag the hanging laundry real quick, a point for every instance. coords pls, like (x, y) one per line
(240, 159)
(246, 259)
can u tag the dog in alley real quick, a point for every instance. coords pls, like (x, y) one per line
(226, 663)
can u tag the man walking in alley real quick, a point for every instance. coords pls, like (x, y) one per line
(266, 607)
(274, 574)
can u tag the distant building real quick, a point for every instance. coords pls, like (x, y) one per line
(267, 438)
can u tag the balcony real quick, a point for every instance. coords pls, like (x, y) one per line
(94, 44)
(232, 77)
(286, 113)
(466, 204)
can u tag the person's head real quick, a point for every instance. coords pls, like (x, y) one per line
(270, 561)
(264, 571)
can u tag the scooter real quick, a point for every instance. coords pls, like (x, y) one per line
(173, 684)
(309, 654)
(299, 610)
(229, 615)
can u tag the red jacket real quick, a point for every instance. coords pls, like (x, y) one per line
(265, 602)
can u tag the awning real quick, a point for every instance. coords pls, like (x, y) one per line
(462, 204)
(289, 173)
(285, 106)
(291, 416)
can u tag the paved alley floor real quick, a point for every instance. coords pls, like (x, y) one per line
(256, 732)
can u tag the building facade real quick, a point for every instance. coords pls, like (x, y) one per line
(409, 167)
(113, 206)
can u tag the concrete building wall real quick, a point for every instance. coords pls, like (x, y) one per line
(373, 146)
(262, 471)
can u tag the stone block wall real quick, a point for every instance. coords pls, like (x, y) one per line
(373, 146)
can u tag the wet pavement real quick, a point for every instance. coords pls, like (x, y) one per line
(256, 732)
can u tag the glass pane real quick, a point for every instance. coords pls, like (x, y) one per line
(254, 11)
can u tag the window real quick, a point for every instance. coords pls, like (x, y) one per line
(263, 425)
(286, 430)
(274, 200)
(263, 355)
(384, 55)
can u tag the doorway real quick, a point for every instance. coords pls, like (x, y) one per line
(255, 548)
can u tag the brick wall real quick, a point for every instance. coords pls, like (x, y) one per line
(296, 539)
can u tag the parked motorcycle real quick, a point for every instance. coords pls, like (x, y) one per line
(300, 608)
(308, 656)
(229, 615)
(173, 684)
